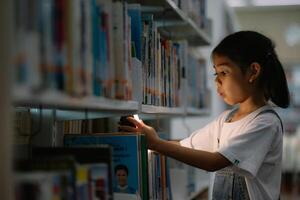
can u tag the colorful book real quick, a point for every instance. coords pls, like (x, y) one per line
(94, 174)
(129, 162)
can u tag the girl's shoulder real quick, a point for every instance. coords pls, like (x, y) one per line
(265, 112)
(265, 116)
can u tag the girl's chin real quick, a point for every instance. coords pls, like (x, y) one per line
(229, 102)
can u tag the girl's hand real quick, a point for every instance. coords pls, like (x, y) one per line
(151, 135)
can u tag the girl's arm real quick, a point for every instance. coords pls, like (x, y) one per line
(201, 159)
(174, 142)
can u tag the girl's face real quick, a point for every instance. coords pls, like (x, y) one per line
(232, 85)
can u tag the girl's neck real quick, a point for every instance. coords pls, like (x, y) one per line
(251, 105)
(246, 108)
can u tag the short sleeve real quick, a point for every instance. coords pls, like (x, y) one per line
(200, 139)
(203, 139)
(248, 150)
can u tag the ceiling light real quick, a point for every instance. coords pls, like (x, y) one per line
(275, 2)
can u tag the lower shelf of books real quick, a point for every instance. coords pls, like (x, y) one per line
(94, 166)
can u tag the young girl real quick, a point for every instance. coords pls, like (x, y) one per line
(243, 145)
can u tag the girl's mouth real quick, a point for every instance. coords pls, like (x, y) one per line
(220, 93)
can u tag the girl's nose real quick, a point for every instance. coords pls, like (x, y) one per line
(218, 81)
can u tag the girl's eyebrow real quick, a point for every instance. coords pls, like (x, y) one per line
(224, 64)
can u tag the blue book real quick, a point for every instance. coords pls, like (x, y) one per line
(134, 11)
(127, 159)
(96, 21)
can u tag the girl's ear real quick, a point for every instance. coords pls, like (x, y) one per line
(255, 70)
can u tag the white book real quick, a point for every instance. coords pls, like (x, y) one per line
(137, 80)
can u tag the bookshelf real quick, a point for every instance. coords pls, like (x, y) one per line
(175, 23)
(171, 22)
(67, 87)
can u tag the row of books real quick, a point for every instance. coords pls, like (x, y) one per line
(79, 47)
(94, 166)
(163, 66)
(85, 126)
(97, 48)
(159, 176)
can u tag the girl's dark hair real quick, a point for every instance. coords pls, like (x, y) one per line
(246, 47)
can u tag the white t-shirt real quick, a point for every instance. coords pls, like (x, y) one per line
(253, 144)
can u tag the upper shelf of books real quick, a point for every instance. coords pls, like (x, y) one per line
(180, 19)
(108, 55)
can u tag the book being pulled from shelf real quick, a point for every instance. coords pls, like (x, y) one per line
(129, 160)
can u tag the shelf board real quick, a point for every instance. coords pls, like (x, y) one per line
(190, 30)
(173, 22)
(150, 109)
(197, 111)
(54, 99)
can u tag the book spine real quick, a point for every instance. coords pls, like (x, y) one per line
(144, 160)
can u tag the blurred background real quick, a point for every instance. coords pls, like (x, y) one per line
(30, 116)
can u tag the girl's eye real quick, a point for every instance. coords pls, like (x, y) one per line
(222, 73)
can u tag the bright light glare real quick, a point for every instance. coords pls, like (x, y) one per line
(136, 117)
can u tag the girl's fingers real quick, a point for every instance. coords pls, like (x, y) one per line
(135, 122)
(128, 128)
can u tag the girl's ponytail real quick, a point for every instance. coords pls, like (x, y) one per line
(274, 81)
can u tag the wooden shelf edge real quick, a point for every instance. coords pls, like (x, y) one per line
(197, 111)
(150, 109)
(55, 99)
